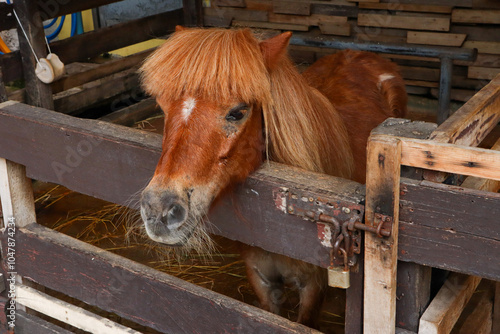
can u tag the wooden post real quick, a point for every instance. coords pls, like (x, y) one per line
(382, 198)
(354, 300)
(37, 93)
(16, 194)
(3, 91)
(193, 13)
(496, 310)
(413, 294)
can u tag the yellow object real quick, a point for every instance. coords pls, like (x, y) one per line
(3, 47)
(131, 49)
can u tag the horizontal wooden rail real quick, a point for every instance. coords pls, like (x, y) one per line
(450, 227)
(134, 291)
(451, 158)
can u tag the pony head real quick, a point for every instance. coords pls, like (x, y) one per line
(212, 86)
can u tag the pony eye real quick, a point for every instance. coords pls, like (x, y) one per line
(237, 113)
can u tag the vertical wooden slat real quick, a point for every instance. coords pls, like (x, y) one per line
(16, 193)
(37, 93)
(354, 300)
(3, 91)
(193, 13)
(382, 197)
(496, 310)
(413, 294)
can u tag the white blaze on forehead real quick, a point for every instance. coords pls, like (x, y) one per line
(188, 107)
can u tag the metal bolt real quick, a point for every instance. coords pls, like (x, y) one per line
(290, 209)
(346, 210)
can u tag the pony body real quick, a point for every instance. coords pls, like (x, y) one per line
(230, 101)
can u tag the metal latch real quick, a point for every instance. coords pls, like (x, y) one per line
(339, 224)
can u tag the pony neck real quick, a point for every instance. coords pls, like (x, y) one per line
(302, 127)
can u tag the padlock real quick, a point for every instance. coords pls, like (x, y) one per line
(338, 277)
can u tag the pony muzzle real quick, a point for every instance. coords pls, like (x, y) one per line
(165, 215)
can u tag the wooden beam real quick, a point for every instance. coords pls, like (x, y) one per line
(478, 72)
(37, 93)
(475, 16)
(407, 7)
(451, 158)
(434, 38)
(68, 313)
(449, 241)
(470, 124)
(481, 183)
(134, 291)
(382, 198)
(75, 100)
(404, 22)
(27, 323)
(446, 307)
(50, 9)
(136, 112)
(100, 71)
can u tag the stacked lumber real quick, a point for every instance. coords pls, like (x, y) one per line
(461, 23)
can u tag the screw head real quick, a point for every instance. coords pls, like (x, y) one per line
(346, 210)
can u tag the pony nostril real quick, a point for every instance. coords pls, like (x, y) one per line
(175, 216)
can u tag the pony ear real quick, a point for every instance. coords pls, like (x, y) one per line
(179, 28)
(274, 48)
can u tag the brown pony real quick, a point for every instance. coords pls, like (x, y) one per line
(230, 101)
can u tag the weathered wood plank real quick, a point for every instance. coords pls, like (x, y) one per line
(475, 16)
(81, 154)
(122, 286)
(270, 25)
(474, 120)
(446, 307)
(407, 7)
(230, 3)
(134, 113)
(483, 46)
(27, 323)
(449, 250)
(382, 197)
(413, 294)
(288, 7)
(68, 313)
(77, 99)
(404, 22)
(339, 29)
(451, 208)
(451, 158)
(457, 3)
(100, 71)
(434, 38)
(16, 194)
(478, 72)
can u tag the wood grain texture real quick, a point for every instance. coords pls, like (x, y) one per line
(451, 158)
(382, 197)
(432, 38)
(404, 22)
(407, 7)
(449, 240)
(475, 16)
(446, 307)
(134, 291)
(474, 120)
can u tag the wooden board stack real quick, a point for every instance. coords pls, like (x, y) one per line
(461, 23)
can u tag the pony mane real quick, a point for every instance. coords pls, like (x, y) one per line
(302, 127)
